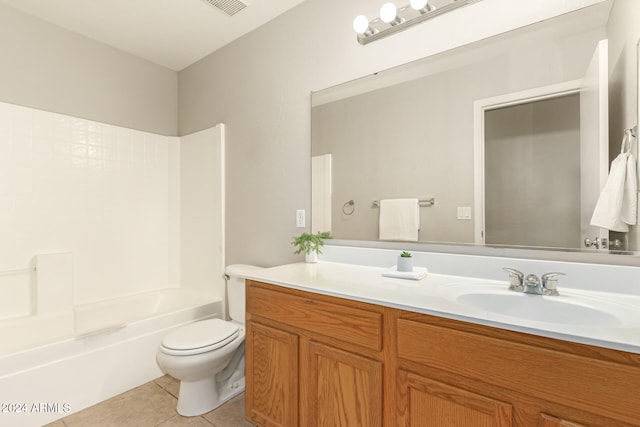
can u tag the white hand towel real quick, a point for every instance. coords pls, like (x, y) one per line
(616, 208)
(629, 209)
(399, 220)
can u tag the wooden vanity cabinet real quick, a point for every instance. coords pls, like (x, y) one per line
(316, 360)
(312, 360)
(463, 374)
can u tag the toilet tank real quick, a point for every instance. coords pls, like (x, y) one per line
(235, 275)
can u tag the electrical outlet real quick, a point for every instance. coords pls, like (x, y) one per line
(300, 218)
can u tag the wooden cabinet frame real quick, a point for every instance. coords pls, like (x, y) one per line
(412, 368)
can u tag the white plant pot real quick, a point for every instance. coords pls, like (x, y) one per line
(311, 257)
(404, 264)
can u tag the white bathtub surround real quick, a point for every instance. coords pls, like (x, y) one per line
(453, 275)
(16, 283)
(53, 316)
(110, 315)
(98, 190)
(54, 282)
(202, 206)
(125, 202)
(110, 198)
(91, 216)
(80, 372)
(45, 285)
(42, 301)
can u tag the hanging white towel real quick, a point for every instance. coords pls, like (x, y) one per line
(617, 205)
(399, 220)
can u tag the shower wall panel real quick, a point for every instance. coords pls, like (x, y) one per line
(102, 192)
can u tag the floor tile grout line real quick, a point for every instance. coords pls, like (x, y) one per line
(165, 389)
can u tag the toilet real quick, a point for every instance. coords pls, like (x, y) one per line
(207, 356)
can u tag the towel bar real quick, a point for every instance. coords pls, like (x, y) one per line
(421, 202)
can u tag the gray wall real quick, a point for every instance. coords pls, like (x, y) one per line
(260, 85)
(52, 69)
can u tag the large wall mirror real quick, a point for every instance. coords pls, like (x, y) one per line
(506, 141)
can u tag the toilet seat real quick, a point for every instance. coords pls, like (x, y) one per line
(200, 337)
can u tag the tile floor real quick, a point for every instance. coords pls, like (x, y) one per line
(153, 404)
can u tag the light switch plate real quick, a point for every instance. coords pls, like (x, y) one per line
(464, 212)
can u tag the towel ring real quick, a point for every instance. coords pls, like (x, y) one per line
(349, 207)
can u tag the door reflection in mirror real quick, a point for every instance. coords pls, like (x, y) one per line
(532, 173)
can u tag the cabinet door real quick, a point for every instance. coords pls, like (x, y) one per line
(426, 403)
(551, 421)
(344, 389)
(271, 376)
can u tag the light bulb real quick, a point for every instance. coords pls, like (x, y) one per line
(360, 24)
(388, 13)
(418, 4)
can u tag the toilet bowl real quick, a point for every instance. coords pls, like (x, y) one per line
(207, 356)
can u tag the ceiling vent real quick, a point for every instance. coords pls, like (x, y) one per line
(230, 7)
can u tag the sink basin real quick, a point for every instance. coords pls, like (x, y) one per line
(540, 308)
(569, 308)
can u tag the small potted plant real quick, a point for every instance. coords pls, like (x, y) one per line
(310, 244)
(405, 262)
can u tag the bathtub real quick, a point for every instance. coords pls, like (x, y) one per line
(89, 355)
(27, 332)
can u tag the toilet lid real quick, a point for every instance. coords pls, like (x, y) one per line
(200, 337)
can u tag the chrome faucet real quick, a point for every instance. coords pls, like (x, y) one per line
(531, 284)
(517, 279)
(550, 283)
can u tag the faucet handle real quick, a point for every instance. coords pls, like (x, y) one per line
(516, 278)
(550, 283)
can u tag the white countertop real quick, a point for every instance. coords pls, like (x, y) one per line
(435, 295)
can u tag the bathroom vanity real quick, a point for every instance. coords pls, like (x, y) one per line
(337, 344)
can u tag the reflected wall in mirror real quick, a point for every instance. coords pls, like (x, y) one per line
(411, 132)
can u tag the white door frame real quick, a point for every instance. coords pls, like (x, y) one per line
(500, 101)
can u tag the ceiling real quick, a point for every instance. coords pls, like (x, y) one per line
(172, 33)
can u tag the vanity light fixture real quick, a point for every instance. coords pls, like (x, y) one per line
(389, 14)
(361, 26)
(392, 19)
